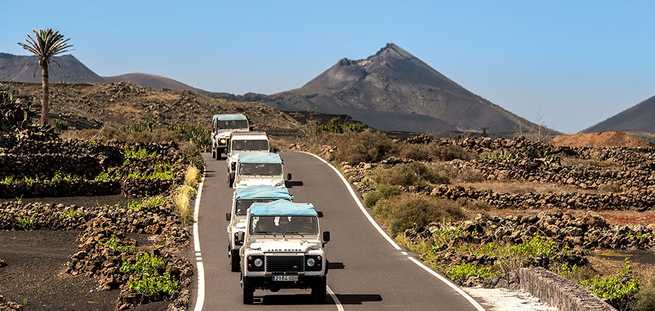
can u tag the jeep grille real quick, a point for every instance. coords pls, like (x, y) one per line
(284, 263)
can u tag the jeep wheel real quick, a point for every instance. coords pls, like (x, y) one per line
(234, 261)
(248, 292)
(319, 291)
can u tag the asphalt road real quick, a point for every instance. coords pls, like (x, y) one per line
(366, 272)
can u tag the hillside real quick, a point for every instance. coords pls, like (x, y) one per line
(637, 119)
(122, 104)
(154, 81)
(394, 90)
(68, 69)
(63, 69)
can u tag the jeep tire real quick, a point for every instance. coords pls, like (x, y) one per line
(234, 261)
(248, 291)
(319, 290)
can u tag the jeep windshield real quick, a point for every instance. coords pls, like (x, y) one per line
(284, 225)
(232, 124)
(260, 169)
(242, 206)
(250, 145)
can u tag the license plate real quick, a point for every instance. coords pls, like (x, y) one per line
(285, 278)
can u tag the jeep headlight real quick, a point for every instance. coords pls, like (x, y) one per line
(313, 263)
(223, 141)
(258, 262)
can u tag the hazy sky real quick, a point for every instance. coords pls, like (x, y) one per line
(566, 64)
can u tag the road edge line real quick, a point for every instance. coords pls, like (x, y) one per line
(200, 268)
(335, 299)
(393, 243)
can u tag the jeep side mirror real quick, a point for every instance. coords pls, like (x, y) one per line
(240, 236)
(326, 236)
(289, 176)
(228, 216)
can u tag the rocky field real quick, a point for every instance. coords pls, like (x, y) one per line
(478, 209)
(90, 224)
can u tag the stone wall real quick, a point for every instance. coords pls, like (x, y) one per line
(559, 292)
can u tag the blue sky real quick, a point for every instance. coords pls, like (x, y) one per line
(566, 64)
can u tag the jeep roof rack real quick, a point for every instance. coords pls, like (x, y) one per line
(282, 208)
(262, 192)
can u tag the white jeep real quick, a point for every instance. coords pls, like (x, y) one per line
(242, 199)
(222, 127)
(283, 248)
(258, 168)
(243, 143)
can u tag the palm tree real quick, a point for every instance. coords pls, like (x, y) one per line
(45, 44)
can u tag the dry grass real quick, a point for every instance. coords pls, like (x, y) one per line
(192, 176)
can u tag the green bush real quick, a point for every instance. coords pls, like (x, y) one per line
(147, 203)
(135, 155)
(339, 126)
(382, 191)
(116, 246)
(407, 211)
(462, 272)
(148, 276)
(410, 174)
(153, 285)
(619, 290)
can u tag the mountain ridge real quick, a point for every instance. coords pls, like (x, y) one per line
(394, 82)
(637, 119)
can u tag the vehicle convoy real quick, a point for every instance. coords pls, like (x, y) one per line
(282, 248)
(222, 127)
(244, 143)
(258, 168)
(242, 199)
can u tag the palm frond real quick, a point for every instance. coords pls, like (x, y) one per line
(46, 43)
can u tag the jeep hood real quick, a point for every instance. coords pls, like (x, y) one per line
(277, 181)
(279, 245)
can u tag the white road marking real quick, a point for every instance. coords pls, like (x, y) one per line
(393, 243)
(337, 303)
(200, 297)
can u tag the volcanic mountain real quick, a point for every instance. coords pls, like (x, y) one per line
(637, 119)
(68, 69)
(63, 69)
(394, 90)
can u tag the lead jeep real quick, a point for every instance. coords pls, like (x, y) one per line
(258, 168)
(222, 127)
(244, 143)
(283, 249)
(242, 199)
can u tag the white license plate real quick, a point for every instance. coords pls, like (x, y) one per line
(285, 278)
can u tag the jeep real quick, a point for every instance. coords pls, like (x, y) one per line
(260, 168)
(244, 143)
(222, 127)
(241, 201)
(283, 249)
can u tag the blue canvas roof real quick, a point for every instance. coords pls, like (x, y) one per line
(282, 208)
(229, 117)
(259, 157)
(262, 192)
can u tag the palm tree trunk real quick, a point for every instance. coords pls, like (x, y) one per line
(45, 97)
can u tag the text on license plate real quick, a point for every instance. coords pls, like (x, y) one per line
(285, 278)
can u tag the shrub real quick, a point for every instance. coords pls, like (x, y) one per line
(191, 176)
(182, 199)
(363, 147)
(116, 246)
(407, 211)
(618, 290)
(433, 152)
(147, 203)
(382, 191)
(70, 214)
(464, 271)
(646, 297)
(135, 155)
(147, 278)
(410, 174)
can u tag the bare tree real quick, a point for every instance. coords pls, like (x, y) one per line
(45, 44)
